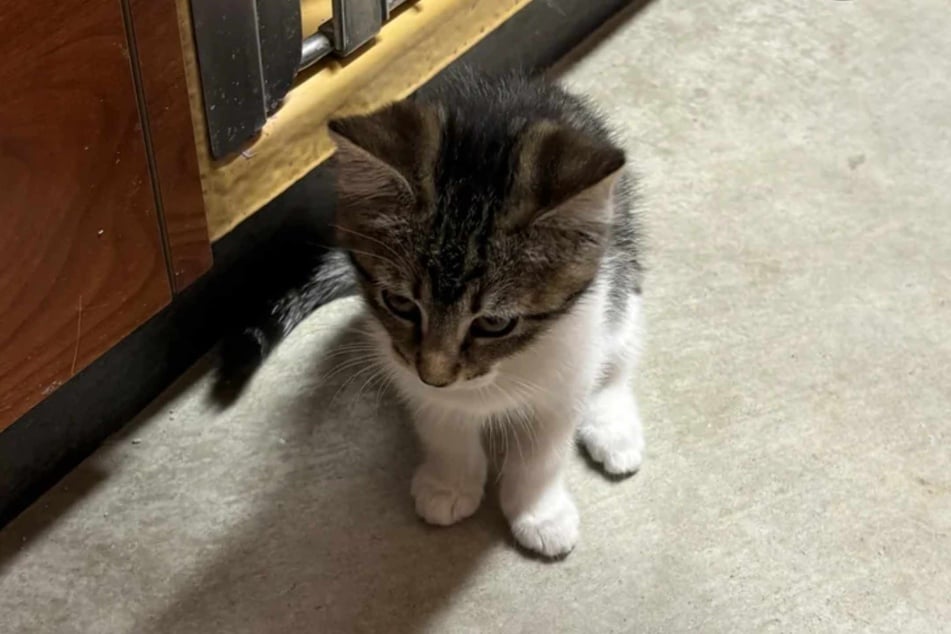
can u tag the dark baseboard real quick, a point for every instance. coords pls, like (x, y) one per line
(61, 431)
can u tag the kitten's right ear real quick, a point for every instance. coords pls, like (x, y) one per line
(367, 187)
(382, 161)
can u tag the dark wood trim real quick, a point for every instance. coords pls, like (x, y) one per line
(154, 33)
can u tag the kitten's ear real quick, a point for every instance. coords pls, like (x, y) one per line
(367, 178)
(565, 175)
(367, 187)
(402, 137)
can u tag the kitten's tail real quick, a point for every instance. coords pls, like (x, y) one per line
(326, 276)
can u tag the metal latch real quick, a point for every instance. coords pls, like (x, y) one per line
(355, 22)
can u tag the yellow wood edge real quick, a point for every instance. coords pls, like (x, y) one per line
(422, 39)
(313, 13)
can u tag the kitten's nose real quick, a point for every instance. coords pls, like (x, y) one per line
(436, 369)
(433, 382)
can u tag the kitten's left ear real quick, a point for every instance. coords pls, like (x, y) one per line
(565, 175)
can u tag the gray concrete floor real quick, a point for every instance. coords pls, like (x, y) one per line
(796, 163)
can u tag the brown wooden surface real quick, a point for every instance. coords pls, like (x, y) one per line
(162, 73)
(81, 262)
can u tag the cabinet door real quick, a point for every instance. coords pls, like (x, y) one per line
(81, 256)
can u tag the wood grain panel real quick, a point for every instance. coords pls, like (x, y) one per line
(81, 261)
(175, 161)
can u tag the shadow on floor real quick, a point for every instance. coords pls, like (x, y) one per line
(81, 482)
(332, 543)
(46, 512)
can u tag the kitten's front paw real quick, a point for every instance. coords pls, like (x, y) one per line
(618, 449)
(440, 502)
(551, 528)
(612, 434)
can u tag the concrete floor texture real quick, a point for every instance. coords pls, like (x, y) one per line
(796, 389)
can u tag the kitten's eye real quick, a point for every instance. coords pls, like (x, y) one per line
(489, 326)
(401, 306)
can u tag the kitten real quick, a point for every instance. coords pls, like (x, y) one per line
(492, 233)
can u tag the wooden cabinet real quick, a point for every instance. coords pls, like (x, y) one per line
(101, 214)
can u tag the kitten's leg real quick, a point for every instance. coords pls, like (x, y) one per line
(448, 485)
(533, 496)
(611, 429)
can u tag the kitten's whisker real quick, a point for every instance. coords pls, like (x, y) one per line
(496, 462)
(523, 420)
(499, 426)
(324, 245)
(533, 388)
(389, 261)
(345, 365)
(350, 380)
(515, 434)
(529, 421)
(366, 253)
(376, 374)
(352, 347)
(332, 366)
(398, 255)
(526, 424)
(351, 363)
(536, 386)
(513, 431)
(385, 385)
(504, 437)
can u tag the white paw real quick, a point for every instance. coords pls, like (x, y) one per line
(612, 433)
(617, 447)
(549, 529)
(440, 502)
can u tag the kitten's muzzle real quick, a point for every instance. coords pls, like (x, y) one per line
(437, 369)
(432, 383)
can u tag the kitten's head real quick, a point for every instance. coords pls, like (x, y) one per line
(470, 236)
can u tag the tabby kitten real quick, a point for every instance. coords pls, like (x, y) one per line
(492, 232)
